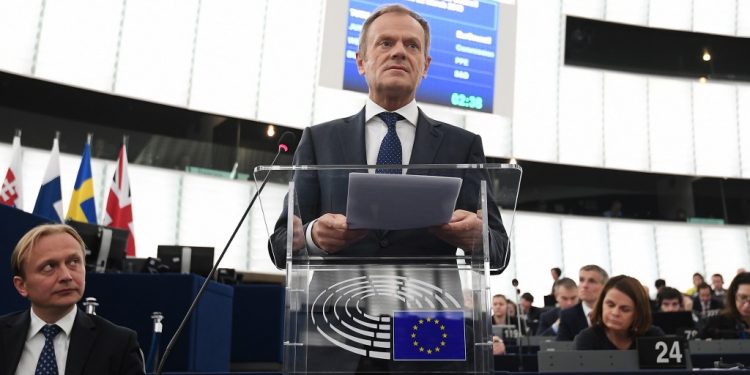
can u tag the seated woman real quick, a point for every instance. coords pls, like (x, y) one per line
(621, 315)
(734, 321)
(499, 309)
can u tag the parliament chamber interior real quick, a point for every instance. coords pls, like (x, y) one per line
(610, 183)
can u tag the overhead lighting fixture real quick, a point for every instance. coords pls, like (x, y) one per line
(702, 79)
(271, 131)
(706, 55)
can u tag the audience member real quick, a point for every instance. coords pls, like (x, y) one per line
(659, 283)
(512, 311)
(734, 321)
(621, 315)
(697, 280)
(705, 301)
(499, 309)
(555, 272)
(529, 313)
(717, 281)
(53, 336)
(566, 295)
(591, 278)
(670, 300)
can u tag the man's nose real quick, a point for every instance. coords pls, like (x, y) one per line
(398, 50)
(65, 274)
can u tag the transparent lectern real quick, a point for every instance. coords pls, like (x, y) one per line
(404, 285)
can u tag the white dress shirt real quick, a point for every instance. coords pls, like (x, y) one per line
(375, 131)
(587, 312)
(35, 343)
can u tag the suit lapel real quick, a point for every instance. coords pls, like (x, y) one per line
(351, 136)
(14, 336)
(81, 340)
(426, 141)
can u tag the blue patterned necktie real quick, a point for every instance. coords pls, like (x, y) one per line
(47, 364)
(390, 149)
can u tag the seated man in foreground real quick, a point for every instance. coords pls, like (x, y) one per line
(54, 336)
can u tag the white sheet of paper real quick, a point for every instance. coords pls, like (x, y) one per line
(400, 201)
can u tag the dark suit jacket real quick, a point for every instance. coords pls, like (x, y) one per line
(723, 326)
(342, 142)
(572, 321)
(595, 338)
(714, 304)
(97, 347)
(546, 320)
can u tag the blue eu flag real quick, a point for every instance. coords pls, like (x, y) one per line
(428, 336)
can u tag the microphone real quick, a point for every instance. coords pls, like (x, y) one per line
(285, 139)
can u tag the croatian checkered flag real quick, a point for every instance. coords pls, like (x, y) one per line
(10, 193)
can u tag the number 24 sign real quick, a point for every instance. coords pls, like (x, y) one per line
(666, 352)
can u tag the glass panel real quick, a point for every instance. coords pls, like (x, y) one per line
(396, 292)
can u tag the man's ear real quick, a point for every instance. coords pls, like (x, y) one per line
(360, 64)
(20, 285)
(427, 61)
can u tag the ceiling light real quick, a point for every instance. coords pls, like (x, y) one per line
(271, 131)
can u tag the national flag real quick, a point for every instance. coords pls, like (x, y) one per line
(49, 201)
(119, 212)
(11, 191)
(429, 336)
(82, 208)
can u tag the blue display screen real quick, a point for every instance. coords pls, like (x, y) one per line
(463, 49)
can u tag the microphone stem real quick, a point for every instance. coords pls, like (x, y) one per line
(210, 276)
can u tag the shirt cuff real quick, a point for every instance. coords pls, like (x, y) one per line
(312, 248)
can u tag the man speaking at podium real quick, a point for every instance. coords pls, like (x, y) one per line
(391, 129)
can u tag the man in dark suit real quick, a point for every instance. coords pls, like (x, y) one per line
(53, 336)
(393, 57)
(704, 304)
(591, 280)
(566, 295)
(390, 130)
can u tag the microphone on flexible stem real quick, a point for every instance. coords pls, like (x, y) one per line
(284, 141)
(519, 339)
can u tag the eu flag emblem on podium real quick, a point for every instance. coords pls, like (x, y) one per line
(429, 336)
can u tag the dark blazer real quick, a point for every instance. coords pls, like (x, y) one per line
(546, 320)
(714, 304)
(342, 142)
(97, 347)
(572, 321)
(723, 326)
(594, 338)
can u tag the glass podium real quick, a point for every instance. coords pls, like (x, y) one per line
(403, 286)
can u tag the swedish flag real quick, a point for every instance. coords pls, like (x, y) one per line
(429, 335)
(82, 207)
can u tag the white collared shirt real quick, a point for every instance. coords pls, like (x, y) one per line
(375, 130)
(587, 312)
(32, 349)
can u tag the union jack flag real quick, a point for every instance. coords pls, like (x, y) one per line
(119, 212)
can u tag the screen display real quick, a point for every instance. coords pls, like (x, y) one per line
(463, 48)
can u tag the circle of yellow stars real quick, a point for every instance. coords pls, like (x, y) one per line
(428, 350)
